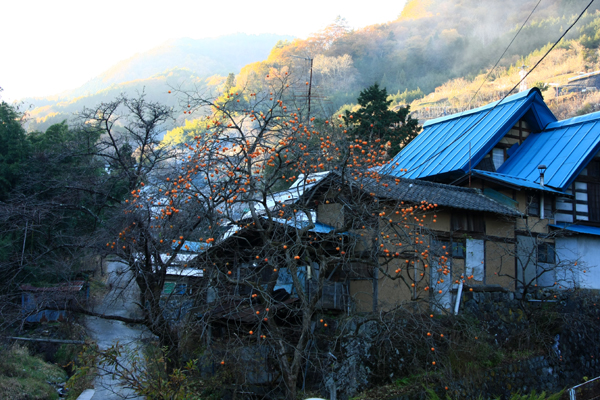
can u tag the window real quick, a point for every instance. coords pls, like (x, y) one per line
(475, 259)
(498, 157)
(546, 253)
(168, 287)
(593, 169)
(533, 205)
(174, 288)
(471, 222)
(593, 192)
(180, 288)
(458, 248)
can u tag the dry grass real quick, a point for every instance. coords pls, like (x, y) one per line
(574, 104)
(25, 377)
(559, 65)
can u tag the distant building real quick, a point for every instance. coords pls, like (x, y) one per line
(581, 83)
(52, 303)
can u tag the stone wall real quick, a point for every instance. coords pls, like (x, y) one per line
(571, 355)
(563, 334)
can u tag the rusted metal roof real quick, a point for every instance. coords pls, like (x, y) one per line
(73, 286)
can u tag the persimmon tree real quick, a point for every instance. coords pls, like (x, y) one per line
(223, 190)
(129, 131)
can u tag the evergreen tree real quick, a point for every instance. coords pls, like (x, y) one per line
(229, 83)
(374, 120)
(14, 149)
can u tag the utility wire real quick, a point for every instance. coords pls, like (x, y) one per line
(553, 46)
(504, 52)
(493, 68)
(507, 94)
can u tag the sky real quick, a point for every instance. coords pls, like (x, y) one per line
(53, 46)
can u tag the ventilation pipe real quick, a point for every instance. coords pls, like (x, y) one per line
(542, 169)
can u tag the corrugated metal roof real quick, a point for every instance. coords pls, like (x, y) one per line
(512, 181)
(564, 147)
(302, 184)
(73, 286)
(303, 222)
(588, 230)
(185, 272)
(583, 76)
(443, 145)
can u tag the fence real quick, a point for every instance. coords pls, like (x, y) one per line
(589, 390)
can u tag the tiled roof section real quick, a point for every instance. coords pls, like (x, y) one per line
(415, 191)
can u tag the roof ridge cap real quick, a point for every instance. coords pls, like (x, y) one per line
(580, 119)
(465, 113)
(431, 183)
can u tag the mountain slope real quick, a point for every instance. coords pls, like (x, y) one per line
(431, 42)
(205, 57)
(176, 62)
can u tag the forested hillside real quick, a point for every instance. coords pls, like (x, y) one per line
(430, 43)
(439, 49)
(575, 55)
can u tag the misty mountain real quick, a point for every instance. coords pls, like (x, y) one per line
(204, 57)
(430, 43)
(175, 62)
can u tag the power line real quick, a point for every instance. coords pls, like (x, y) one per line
(553, 46)
(504, 52)
(507, 94)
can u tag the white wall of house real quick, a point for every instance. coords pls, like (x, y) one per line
(585, 249)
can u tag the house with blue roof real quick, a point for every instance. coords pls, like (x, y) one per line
(516, 152)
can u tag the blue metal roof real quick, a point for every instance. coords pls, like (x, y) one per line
(300, 223)
(588, 230)
(512, 181)
(442, 148)
(564, 147)
(195, 247)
